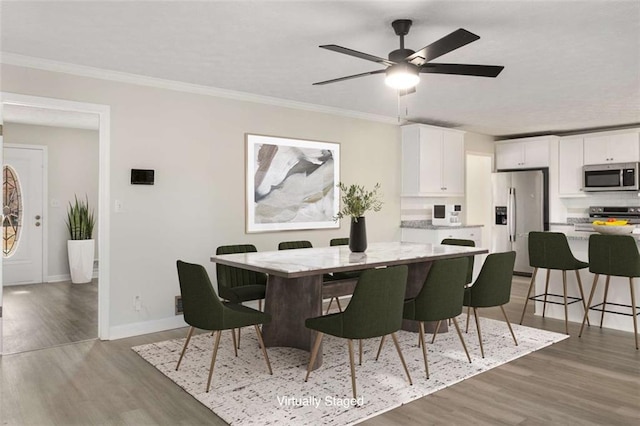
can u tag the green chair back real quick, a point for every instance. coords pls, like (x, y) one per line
(465, 243)
(375, 308)
(550, 250)
(339, 242)
(231, 278)
(291, 245)
(493, 285)
(442, 293)
(201, 306)
(614, 255)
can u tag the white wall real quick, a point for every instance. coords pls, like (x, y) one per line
(72, 170)
(195, 143)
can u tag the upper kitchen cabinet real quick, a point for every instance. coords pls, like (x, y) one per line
(432, 161)
(525, 153)
(570, 162)
(612, 148)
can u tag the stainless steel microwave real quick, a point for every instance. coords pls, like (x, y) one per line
(610, 177)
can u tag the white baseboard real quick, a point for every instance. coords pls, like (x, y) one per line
(146, 327)
(66, 277)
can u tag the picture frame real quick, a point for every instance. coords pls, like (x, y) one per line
(291, 184)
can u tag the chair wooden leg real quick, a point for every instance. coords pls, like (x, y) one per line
(353, 368)
(546, 291)
(184, 348)
(264, 350)
(508, 324)
(338, 303)
(424, 349)
(239, 329)
(586, 312)
(604, 302)
(329, 306)
(466, 329)
(380, 347)
(406, 370)
(526, 300)
(435, 332)
(475, 314)
(584, 302)
(455, 323)
(213, 359)
(360, 352)
(566, 307)
(233, 335)
(314, 354)
(633, 307)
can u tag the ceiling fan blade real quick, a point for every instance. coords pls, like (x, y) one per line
(349, 77)
(462, 69)
(446, 44)
(355, 53)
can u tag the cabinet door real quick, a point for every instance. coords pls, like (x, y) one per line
(453, 164)
(624, 148)
(430, 160)
(570, 161)
(536, 153)
(596, 149)
(509, 156)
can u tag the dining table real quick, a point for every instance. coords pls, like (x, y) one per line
(295, 280)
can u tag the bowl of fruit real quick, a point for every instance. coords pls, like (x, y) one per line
(613, 226)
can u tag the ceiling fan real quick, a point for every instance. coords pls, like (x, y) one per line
(404, 66)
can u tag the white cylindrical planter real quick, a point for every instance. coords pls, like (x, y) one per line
(81, 254)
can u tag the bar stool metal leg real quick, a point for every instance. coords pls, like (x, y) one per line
(586, 312)
(566, 308)
(526, 300)
(633, 307)
(546, 291)
(584, 301)
(604, 302)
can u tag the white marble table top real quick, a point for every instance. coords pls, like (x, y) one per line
(315, 261)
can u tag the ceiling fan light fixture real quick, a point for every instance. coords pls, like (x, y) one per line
(402, 76)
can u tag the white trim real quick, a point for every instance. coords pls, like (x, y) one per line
(146, 327)
(104, 195)
(67, 277)
(122, 77)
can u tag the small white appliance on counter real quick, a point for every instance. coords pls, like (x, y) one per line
(447, 215)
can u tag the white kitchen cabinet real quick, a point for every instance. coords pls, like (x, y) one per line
(612, 148)
(570, 162)
(522, 153)
(432, 161)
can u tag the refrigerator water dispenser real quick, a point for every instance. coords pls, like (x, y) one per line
(501, 215)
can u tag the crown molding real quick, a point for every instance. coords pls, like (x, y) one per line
(122, 77)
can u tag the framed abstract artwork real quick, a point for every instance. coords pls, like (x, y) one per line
(291, 184)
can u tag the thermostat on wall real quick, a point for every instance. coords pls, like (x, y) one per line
(142, 177)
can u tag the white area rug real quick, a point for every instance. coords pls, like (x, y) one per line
(244, 393)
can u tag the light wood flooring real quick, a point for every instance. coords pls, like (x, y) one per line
(37, 316)
(594, 380)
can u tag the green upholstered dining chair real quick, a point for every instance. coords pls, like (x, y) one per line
(613, 255)
(302, 244)
(550, 250)
(375, 310)
(204, 310)
(491, 288)
(439, 299)
(341, 275)
(464, 243)
(239, 285)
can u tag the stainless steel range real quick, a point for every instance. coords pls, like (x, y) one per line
(632, 214)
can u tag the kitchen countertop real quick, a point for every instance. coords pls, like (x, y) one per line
(427, 224)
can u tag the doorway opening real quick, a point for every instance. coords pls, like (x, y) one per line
(479, 167)
(88, 302)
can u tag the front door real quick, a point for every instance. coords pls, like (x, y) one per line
(22, 214)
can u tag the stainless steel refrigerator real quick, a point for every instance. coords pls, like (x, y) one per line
(520, 205)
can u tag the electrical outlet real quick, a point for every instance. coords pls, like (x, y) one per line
(178, 305)
(137, 303)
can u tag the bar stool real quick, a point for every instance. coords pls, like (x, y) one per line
(613, 255)
(550, 250)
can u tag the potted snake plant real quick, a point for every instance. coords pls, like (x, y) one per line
(80, 246)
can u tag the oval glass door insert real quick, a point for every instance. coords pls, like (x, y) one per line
(11, 211)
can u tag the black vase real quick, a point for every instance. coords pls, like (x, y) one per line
(358, 235)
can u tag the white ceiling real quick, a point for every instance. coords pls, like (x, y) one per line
(569, 65)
